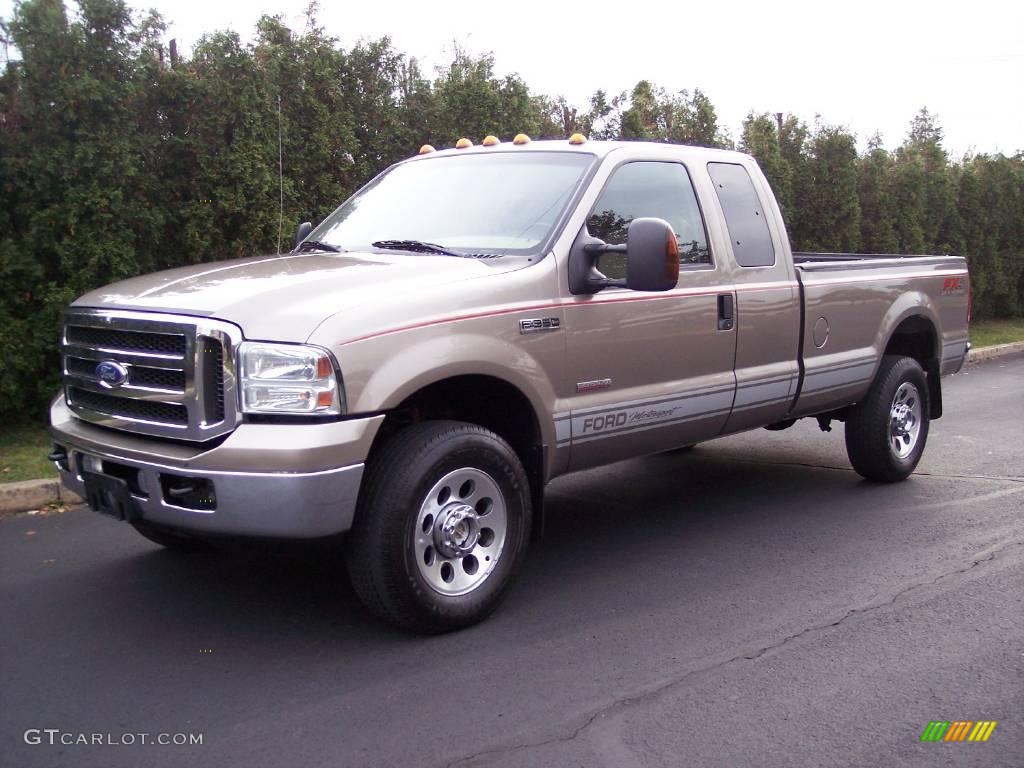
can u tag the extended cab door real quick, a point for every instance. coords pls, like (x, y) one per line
(767, 297)
(648, 371)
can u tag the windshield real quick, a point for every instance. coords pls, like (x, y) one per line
(505, 202)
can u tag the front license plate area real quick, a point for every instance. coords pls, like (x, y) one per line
(109, 496)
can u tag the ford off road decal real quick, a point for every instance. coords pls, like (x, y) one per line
(603, 422)
(612, 420)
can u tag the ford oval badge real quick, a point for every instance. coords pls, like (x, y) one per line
(111, 374)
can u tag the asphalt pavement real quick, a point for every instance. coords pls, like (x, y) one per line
(749, 603)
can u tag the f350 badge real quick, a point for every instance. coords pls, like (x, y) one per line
(537, 324)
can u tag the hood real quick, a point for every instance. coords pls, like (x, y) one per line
(285, 298)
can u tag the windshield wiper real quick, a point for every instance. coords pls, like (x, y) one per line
(317, 245)
(417, 246)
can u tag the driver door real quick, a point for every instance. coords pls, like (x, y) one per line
(651, 371)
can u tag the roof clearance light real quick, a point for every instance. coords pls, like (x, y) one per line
(426, 149)
(520, 139)
(490, 141)
(577, 138)
(463, 143)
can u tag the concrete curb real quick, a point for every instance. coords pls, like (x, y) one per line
(33, 494)
(996, 350)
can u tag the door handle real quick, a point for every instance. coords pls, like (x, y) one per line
(726, 312)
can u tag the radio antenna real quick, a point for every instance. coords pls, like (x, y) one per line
(280, 176)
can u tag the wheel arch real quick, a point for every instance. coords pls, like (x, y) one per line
(914, 334)
(489, 401)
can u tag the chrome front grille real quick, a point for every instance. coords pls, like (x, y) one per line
(173, 376)
(145, 342)
(149, 411)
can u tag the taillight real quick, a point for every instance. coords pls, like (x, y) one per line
(970, 303)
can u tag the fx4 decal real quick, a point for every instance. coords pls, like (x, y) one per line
(952, 285)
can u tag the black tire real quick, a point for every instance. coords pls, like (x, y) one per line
(870, 441)
(170, 539)
(381, 549)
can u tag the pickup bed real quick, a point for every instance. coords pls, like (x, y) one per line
(471, 324)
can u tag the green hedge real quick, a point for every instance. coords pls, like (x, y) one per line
(120, 155)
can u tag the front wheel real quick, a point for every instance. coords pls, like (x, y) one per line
(887, 431)
(441, 528)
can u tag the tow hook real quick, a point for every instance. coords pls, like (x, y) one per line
(825, 423)
(59, 456)
(190, 492)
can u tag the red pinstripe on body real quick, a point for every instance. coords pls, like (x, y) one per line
(574, 302)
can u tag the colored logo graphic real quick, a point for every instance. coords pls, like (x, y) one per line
(958, 730)
(111, 374)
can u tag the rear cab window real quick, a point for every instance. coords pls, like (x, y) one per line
(744, 215)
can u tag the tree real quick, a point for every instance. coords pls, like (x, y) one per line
(299, 74)
(991, 232)
(925, 185)
(605, 115)
(694, 120)
(832, 214)
(874, 171)
(645, 117)
(760, 138)
(656, 115)
(77, 146)
(369, 84)
(798, 197)
(120, 155)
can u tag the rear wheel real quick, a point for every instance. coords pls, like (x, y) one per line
(887, 431)
(441, 528)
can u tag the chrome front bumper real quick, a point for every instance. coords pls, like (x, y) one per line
(285, 503)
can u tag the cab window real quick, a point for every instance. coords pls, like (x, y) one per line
(649, 189)
(744, 215)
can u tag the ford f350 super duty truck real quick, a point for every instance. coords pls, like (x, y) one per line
(471, 324)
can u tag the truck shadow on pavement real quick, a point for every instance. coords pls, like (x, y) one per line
(612, 535)
(654, 564)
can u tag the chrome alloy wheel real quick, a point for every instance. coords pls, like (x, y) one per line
(904, 420)
(460, 531)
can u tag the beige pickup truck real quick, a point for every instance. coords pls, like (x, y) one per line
(471, 324)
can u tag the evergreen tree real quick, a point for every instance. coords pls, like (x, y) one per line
(120, 155)
(76, 146)
(874, 171)
(798, 196)
(645, 118)
(760, 138)
(831, 216)
(924, 145)
(300, 74)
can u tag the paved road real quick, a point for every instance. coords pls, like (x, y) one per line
(751, 603)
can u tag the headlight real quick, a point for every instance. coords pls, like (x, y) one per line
(288, 379)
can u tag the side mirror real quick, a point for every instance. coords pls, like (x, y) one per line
(652, 259)
(652, 256)
(303, 232)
